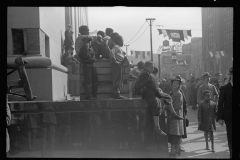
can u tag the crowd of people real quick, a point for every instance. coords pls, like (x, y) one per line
(201, 94)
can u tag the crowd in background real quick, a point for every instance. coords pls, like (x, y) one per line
(190, 87)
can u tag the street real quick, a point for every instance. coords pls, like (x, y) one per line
(195, 145)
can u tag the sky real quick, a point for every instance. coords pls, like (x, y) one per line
(127, 21)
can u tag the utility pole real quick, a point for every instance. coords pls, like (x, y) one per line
(150, 19)
(126, 48)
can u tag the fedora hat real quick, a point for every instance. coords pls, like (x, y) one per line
(206, 74)
(218, 73)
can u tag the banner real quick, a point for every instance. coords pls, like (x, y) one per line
(175, 35)
(167, 59)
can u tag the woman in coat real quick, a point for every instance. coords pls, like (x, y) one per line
(175, 128)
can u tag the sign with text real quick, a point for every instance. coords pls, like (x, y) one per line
(167, 59)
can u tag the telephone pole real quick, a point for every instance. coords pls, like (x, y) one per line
(150, 19)
(126, 48)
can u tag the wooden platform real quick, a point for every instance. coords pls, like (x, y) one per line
(107, 128)
(104, 71)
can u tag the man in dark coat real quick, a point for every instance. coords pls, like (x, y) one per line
(147, 87)
(225, 108)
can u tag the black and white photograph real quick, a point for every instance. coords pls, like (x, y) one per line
(119, 82)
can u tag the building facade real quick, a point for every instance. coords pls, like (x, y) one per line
(217, 31)
(39, 31)
(196, 52)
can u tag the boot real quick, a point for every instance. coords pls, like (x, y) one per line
(213, 150)
(207, 147)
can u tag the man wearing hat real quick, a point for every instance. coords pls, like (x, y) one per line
(68, 59)
(225, 108)
(216, 81)
(68, 42)
(207, 86)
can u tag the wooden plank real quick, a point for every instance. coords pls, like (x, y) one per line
(107, 89)
(99, 96)
(104, 70)
(103, 64)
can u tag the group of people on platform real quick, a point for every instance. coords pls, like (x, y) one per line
(89, 49)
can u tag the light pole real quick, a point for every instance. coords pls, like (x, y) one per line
(150, 19)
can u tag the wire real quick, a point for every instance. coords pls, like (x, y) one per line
(137, 32)
(174, 27)
(139, 36)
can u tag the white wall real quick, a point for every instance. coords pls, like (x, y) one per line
(52, 23)
(59, 85)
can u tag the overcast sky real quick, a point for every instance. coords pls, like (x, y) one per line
(128, 20)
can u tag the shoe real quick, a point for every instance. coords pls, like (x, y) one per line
(177, 117)
(159, 131)
(118, 96)
(213, 150)
(178, 153)
(172, 154)
(181, 148)
(207, 148)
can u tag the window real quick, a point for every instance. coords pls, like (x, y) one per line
(19, 41)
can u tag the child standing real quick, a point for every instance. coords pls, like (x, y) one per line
(117, 61)
(206, 118)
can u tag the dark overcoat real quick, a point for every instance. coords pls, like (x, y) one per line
(203, 115)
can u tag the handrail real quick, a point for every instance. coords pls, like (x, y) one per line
(36, 62)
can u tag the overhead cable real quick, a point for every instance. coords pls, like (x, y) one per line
(136, 33)
(139, 36)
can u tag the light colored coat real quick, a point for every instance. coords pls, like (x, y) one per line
(175, 127)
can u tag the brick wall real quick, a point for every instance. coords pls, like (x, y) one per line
(42, 42)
